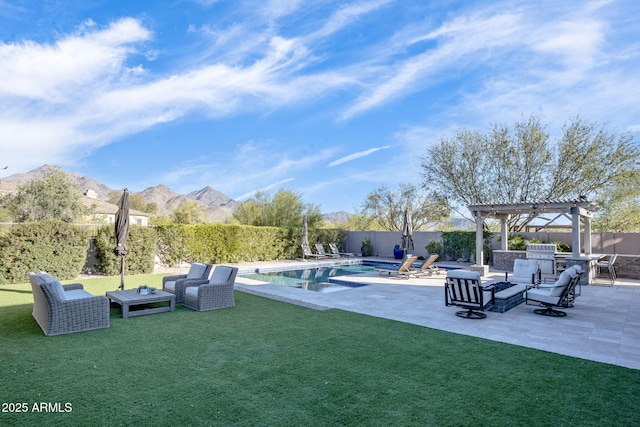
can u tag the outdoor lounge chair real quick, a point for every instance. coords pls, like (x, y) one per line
(559, 294)
(525, 272)
(63, 309)
(335, 251)
(306, 253)
(427, 268)
(176, 284)
(217, 292)
(464, 289)
(401, 270)
(321, 251)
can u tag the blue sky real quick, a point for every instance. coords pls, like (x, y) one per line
(327, 98)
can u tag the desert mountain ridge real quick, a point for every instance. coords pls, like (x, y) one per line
(218, 206)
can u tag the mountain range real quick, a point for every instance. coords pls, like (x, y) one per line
(218, 206)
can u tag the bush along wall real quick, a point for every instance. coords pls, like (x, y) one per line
(56, 247)
(220, 243)
(142, 243)
(461, 245)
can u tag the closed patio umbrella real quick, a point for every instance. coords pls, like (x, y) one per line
(304, 238)
(407, 231)
(122, 232)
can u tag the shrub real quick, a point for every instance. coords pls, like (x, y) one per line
(142, 243)
(462, 245)
(53, 246)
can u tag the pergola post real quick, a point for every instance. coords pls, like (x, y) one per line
(479, 265)
(504, 232)
(587, 235)
(575, 232)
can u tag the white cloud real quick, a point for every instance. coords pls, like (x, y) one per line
(357, 155)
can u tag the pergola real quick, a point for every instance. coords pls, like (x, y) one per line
(578, 210)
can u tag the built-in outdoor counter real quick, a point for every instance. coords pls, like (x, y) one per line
(586, 262)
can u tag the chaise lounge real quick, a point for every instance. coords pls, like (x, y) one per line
(64, 309)
(401, 270)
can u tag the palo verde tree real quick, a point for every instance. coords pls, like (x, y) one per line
(522, 163)
(386, 207)
(56, 197)
(284, 209)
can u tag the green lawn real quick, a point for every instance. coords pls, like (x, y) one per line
(269, 363)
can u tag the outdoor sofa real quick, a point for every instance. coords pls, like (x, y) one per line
(64, 309)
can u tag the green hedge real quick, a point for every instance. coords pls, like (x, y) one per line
(61, 249)
(56, 247)
(220, 243)
(142, 243)
(457, 245)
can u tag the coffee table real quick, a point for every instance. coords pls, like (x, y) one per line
(131, 297)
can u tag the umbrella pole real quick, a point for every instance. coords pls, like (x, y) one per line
(122, 273)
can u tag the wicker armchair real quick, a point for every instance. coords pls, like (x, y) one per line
(212, 294)
(176, 284)
(64, 309)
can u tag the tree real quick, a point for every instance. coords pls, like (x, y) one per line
(284, 209)
(522, 163)
(136, 201)
(190, 212)
(54, 197)
(386, 207)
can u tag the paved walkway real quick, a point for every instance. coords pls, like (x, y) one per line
(604, 325)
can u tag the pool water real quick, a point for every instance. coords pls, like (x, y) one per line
(317, 279)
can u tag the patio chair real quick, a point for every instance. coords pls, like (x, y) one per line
(525, 272)
(215, 293)
(306, 253)
(176, 284)
(64, 309)
(427, 268)
(464, 289)
(401, 270)
(607, 265)
(320, 250)
(559, 294)
(336, 251)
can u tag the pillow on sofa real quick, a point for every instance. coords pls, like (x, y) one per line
(196, 271)
(55, 284)
(220, 275)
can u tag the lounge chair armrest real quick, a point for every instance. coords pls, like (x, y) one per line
(73, 286)
(191, 282)
(173, 278)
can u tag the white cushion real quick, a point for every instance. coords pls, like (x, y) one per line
(55, 285)
(77, 294)
(220, 275)
(464, 274)
(525, 267)
(542, 295)
(192, 291)
(170, 285)
(196, 271)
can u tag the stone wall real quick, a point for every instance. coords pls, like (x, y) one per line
(626, 266)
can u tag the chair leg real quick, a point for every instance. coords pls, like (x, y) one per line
(470, 314)
(549, 311)
(612, 275)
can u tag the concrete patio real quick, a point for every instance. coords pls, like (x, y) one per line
(604, 325)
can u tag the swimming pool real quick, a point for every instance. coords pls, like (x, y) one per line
(317, 279)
